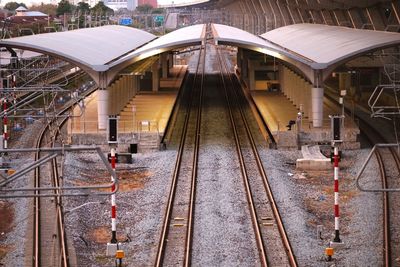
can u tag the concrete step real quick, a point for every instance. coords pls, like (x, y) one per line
(149, 142)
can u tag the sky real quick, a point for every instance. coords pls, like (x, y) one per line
(30, 2)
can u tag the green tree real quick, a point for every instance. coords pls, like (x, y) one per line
(146, 9)
(101, 8)
(12, 6)
(157, 11)
(48, 9)
(83, 7)
(64, 7)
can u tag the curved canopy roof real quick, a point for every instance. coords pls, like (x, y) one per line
(191, 35)
(308, 47)
(93, 48)
(327, 45)
(224, 34)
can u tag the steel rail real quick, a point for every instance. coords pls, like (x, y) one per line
(60, 216)
(386, 211)
(281, 228)
(253, 212)
(172, 192)
(37, 222)
(189, 232)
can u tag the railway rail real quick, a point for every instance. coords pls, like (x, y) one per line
(176, 238)
(389, 169)
(272, 241)
(46, 210)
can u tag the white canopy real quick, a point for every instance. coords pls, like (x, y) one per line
(93, 48)
(328, 45)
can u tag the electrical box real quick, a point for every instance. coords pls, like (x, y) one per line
(336, 123)
(112, 130)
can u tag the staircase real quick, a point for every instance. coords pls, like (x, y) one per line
(148, 142)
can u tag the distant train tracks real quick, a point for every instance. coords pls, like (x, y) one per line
(174, 247)
(272, 241)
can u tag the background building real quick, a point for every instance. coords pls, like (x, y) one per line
(153, 3)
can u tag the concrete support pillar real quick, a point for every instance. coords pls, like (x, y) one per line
(102, 101)
(155, 76)
(102, 108)
(252, 82)
(164, 65)
(317, 94)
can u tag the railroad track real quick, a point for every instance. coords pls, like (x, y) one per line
(389, 168)
(174, 247)
(48, 216)
(273, 244)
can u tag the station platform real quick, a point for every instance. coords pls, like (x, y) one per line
(277, 110)
(148, 111)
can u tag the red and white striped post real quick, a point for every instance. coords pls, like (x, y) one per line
(113, 203)
(336, 123)
(336, 177)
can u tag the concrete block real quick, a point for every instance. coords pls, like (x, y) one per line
(313, 164)
(313, 160)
